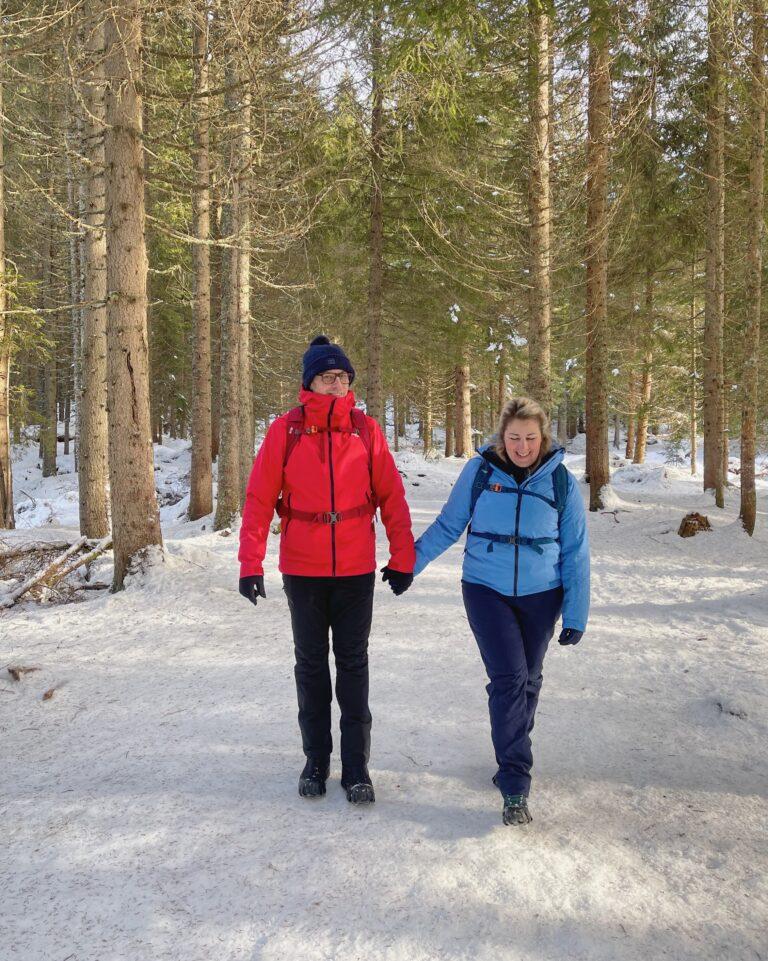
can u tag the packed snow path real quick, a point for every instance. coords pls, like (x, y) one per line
(150, 811)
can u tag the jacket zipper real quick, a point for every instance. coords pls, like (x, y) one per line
(517, 524)
(333, 492)
(517, 531)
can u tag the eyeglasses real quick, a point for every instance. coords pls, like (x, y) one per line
(329, 378)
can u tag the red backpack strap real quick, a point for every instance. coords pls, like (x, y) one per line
(360, 424)
(295, 424)
(362, 427)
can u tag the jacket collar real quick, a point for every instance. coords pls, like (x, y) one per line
(318, 406)
(548, 464)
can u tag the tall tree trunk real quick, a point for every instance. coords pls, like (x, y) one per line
(6, 477)
(427, 415)
(539, 327)
(599, 118)
(396, 422)
(724, 445)
(629, 450)
(49, 425)
(692, 392)
(450, 410)
(749, 375)
(644, 407)
(572, 423)
(135, 518)
(228, 499)
(75, 269)
(216, 293)
(374, 398)
(463, 415)
(244, 291)
(92, 405)
(714, 304)
(501, 394)
(562, 421)
(201, 483)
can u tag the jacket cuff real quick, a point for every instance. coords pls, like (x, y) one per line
(250, 570)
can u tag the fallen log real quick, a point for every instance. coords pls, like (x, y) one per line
(10, 599)
(104, 545)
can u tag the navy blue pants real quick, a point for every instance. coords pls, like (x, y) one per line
(512, 634)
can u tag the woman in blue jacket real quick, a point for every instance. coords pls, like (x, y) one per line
(526, 560)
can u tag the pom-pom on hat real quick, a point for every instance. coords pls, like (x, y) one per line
(322, 355)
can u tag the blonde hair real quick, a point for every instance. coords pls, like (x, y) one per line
(524, 408)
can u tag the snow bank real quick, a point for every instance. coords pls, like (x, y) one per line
(651, 477)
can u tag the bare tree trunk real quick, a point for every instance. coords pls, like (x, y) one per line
(562, 419)
(243, 216)
(725, 447)
(501, 395)
(374, 398)
(756, 227)
(228, 499)
(201, 483)
(49, 424)
(539, 327)
(714, 304)
(6, 477)
(629, 450)
(216, 294)
(427, 414)
(450, 409)
(396, 422)
(693, 425)
(135, 519)
(644, 407)
(75, 311)
(92, 406)
(463, 421)
(599, 117)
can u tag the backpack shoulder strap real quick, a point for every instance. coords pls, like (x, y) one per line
(361, 425)
(295, 423)
(560, 488)
(479, 484)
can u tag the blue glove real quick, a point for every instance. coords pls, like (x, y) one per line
(569, 635)
(252, 587)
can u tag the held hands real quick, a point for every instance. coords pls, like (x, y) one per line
(398, 581)
(252, 587)
(569, 635)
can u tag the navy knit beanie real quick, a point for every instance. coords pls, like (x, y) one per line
(322, 355)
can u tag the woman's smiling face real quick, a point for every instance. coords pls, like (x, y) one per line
(522, 441)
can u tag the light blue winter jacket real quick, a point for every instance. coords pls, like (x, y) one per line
(517, 569)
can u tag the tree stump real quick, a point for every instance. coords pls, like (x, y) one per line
(693, 523)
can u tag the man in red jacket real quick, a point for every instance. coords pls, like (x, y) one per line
(325, 467)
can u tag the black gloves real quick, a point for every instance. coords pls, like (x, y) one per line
(569, 635)
(252, 587)
(398, 581)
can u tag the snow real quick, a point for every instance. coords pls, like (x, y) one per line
(150, 808)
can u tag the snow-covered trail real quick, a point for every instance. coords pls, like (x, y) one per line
(149, 809)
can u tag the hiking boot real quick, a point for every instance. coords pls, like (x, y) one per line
(313, 777)
(357, 784)
(516, 809)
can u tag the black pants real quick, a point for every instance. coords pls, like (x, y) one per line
(345, 606)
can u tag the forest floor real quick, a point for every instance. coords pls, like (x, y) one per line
(149, 807)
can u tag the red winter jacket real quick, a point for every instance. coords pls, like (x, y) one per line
(326, 471)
